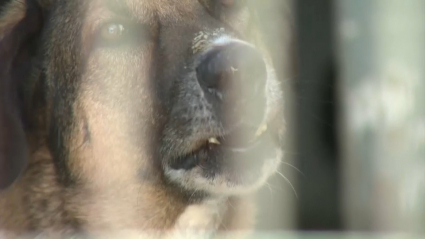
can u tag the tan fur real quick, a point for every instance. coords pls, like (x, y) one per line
(108, 195)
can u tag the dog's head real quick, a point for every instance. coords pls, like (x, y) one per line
(127, 90)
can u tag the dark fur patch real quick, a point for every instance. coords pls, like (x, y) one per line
(63, 84)
(15, 54)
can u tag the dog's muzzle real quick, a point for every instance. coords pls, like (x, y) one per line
(218, 114)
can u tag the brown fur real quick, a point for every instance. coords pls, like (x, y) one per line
(103, 192)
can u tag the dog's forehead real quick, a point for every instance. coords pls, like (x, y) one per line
(146, 10)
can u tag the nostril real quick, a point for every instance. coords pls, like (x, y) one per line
(211, 72)
(233, 78)
(233, 67)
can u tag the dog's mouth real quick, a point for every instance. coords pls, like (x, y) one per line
(244, 157)
(237, 141)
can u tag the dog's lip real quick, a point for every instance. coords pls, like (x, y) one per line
(229, 143)
(238, 142)
(249, 139)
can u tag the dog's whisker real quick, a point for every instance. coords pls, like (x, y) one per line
(269, 187)
(193, 194)
(289, 182)
(292, 166)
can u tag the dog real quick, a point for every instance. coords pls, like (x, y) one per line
(154, 117)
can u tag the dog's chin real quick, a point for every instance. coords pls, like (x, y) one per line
(224, 183)
(223, 169)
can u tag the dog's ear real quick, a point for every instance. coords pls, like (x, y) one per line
(20, 24)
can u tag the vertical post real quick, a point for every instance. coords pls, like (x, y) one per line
(382, 57)
(316, 145)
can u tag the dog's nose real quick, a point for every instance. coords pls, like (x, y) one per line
(233, 76)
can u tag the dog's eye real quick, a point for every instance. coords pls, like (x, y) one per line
(117, 33)
(113, 32)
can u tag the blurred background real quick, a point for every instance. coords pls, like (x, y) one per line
(355, 150)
